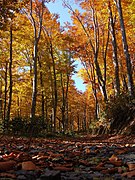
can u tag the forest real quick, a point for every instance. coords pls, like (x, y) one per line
(37, 60)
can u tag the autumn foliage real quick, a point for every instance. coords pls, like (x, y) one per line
(37, 61)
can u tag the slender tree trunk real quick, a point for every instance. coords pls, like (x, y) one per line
(42, 91)
(0, 100)
(78, 122)
(55, 99)
(5, 94)
(37, 34)
(64, 101)
(10, 80)
(101, 81)
(84, 117)
(125, 47)
(34, 92)
(114, 46)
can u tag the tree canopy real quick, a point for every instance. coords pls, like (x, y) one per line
(38, 57)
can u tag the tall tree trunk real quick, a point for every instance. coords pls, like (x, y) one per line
(42, 91)
(5, 95)
(37, 33)
(34, 92)
(84, 116)
(114, 46)
(10, 80)
(0, 100)
(125, 47)
(55, 99)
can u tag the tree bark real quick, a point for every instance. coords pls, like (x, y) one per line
(5, 95)
(34, 93)
(55, 99)
(37, 34)
(0, 100)
(42, 91)
(114, 46)
(10, 80)
(125, 48)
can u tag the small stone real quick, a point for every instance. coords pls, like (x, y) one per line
(51, 175)
(22, 177)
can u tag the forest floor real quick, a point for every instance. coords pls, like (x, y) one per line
(85, 157)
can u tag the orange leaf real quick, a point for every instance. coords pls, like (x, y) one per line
(113, 158)
(87, 151)
(7, 165)
(28, 165)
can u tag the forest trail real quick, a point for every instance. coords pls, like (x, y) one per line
(84, 157)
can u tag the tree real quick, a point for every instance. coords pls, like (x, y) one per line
(38, 9)
(114, 46)
(125, 48)
(10, 81)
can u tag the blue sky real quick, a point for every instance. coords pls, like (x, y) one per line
(64, 17)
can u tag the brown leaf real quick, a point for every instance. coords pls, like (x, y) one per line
(98, 168)
(121, 151)
(129, 174)
(7, 175)
(7, 165)
(101, 164)
(56, 155)
(87, 151)
(28, 165)
(110, 171)
(120, 170)
(116, 163)
(84, 162)
(63, 168)
(131, 166)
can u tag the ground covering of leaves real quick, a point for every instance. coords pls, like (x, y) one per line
(86, 157)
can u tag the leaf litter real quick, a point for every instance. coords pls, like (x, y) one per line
(86, 157)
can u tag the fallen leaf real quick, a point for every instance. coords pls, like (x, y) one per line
(121, 151)
(113, 158)
(116, 163)
(63, 168)
(28, 165)
(84, 162)
(129, 174)
(9, 156)
(7, 165)
(110, 171)
(101, 164)
(98, 168)
(7, 175)
(131, 166)
(87, 151)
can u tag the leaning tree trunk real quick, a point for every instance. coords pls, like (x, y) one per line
(125, 47)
